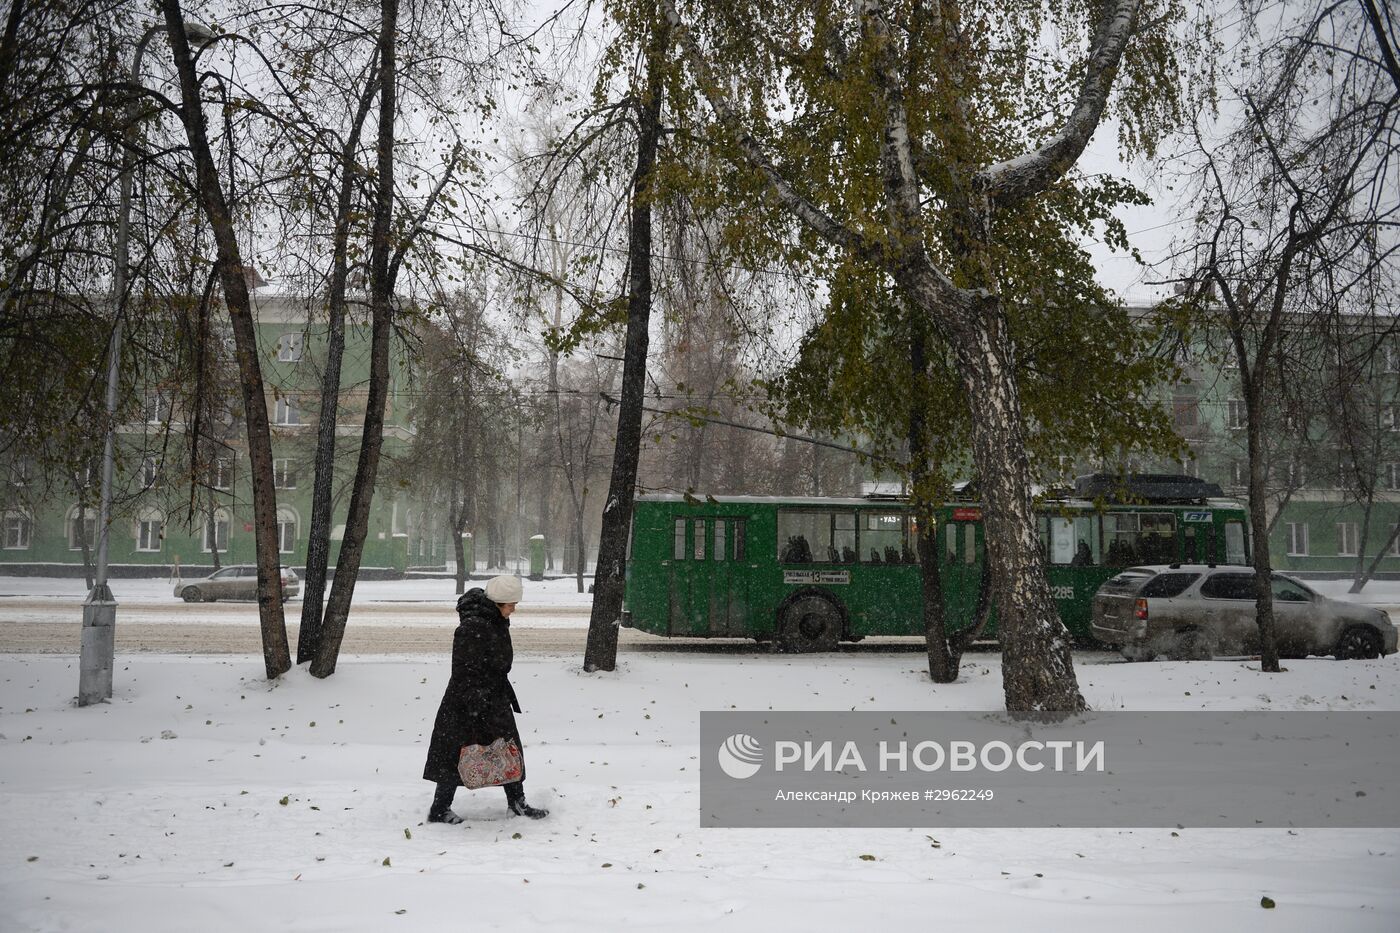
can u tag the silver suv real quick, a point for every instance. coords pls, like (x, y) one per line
(1203, 610)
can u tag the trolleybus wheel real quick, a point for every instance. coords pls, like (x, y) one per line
(809, 623)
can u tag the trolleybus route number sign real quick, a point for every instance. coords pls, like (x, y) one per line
(1196, 517)
(816, 576)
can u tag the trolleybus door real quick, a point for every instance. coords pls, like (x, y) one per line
(707, 592)
(1197, 537)
(962, 567)
(688, 577)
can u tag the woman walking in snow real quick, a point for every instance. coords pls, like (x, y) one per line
(477, 706)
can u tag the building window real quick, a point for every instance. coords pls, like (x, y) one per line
(1388, 416)
(221, 473)
(1346, 539)
(17, 531)
(1394, 543)
(1236, 416)
(289, 347)
(286, 531)
(1185, 411)
(22, 472)
(1297, 539)
(150, 473)
(150, 531)
(1346, 469)
(1239, 472)
(284, 474)
(216, 533)
(1191, 467)
(1390, 356)
(155, 407)
(82, 529)
(1391, 474)
(286, 411)
(1297, 472)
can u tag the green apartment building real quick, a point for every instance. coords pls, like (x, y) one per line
(1331, 437)
(153, 532)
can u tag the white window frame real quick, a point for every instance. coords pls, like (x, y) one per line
(17, 527)
(155, 407)
(1239, 472)
(150, 533)
(1297, 472)
(284, 469)
(221, 523)
(290, 347)
(221, 473)
(286, 412)
(150, 473)
(1295, 539)
(1391, 472)
(1395, 545)
(1348, 539)
(1236, 414)
(1390, 355)
(1391, 422)
(89, 519)
(286, 519)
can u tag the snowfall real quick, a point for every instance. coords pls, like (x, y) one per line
(203, 796)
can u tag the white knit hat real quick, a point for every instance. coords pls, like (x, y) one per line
(504, 589)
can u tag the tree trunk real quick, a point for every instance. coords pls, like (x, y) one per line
(229, 264)
(1259, 528)
(600, 653)
(347, 567)
(318, 535)
(1037, 670)
(942, 666)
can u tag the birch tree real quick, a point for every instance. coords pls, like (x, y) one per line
(910, 138)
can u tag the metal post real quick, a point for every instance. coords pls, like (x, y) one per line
(519, 479)
(98, 645)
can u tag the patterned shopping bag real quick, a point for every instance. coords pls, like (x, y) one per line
(488, 765)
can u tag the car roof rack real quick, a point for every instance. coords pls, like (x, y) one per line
(1145, 487)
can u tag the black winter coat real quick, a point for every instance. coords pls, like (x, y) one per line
(477, 705)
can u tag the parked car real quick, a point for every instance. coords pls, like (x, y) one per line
(238, 582)
(1203, 610)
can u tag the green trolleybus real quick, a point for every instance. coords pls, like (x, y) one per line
(809, 572)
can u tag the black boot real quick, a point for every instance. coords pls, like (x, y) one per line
(521, 808)
(515, 800)
(441, 810)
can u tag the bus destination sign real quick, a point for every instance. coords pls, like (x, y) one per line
(817, 576)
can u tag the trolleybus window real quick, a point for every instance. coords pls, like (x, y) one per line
(679, 549)
(1073, 541)
(1139, 538)
(810, 537)
(887, 538)
(699, 539)
(719, 538)
(1234, 543)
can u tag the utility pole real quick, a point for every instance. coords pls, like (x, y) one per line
(98, 647)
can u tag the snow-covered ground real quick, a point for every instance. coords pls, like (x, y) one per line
(203, 797)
